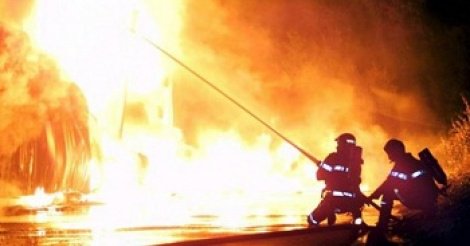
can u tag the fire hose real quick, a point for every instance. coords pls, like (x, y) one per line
(246, 110)
(231, 99)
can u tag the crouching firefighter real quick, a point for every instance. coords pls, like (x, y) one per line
(411, 181)
(341, 172)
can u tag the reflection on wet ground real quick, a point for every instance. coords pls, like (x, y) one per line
(74, 226)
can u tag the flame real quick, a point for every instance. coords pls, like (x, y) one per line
(39, 199)
(142, 169)
(97, 46)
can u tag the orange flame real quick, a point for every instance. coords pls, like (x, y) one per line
(144, 167)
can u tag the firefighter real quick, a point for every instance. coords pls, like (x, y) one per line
(341, 172)
(409, 181)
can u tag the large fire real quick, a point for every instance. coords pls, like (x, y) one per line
(141, 165)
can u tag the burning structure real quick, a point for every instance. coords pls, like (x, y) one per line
(105, 113)
(45, 130)
(49, 133)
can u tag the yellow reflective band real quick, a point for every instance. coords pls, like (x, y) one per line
(358, 221)
(417, 173)
(343, 193)
(341, 168)
(326, 167)
(399, 175)
(330, 168)
(312, 220)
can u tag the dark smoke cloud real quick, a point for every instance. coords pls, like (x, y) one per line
(313, 69)
(330, 64)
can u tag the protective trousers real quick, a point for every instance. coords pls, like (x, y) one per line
(385, 211)
(331, 205)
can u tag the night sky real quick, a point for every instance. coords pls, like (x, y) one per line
(449, 35)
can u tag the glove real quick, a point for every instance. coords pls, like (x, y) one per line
(443, 190)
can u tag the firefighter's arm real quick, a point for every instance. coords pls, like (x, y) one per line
(324, 169)
(321, 173)
(379, 191)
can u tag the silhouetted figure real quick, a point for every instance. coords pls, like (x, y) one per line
(341, 172)
(410, 181)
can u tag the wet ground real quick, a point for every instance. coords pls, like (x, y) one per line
(74, 226)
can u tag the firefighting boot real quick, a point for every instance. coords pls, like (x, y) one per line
(357, 217)
(312, 222)
(384, 216)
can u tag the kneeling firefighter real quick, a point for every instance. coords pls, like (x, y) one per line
(341, 171)
(411, 181)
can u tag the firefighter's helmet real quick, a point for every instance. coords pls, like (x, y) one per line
(395, 146)
(346, 138)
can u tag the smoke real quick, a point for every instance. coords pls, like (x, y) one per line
(43, 117)
(17, 102)
(314, 69)
(312, 61)
(311, 69)
(13, 12)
